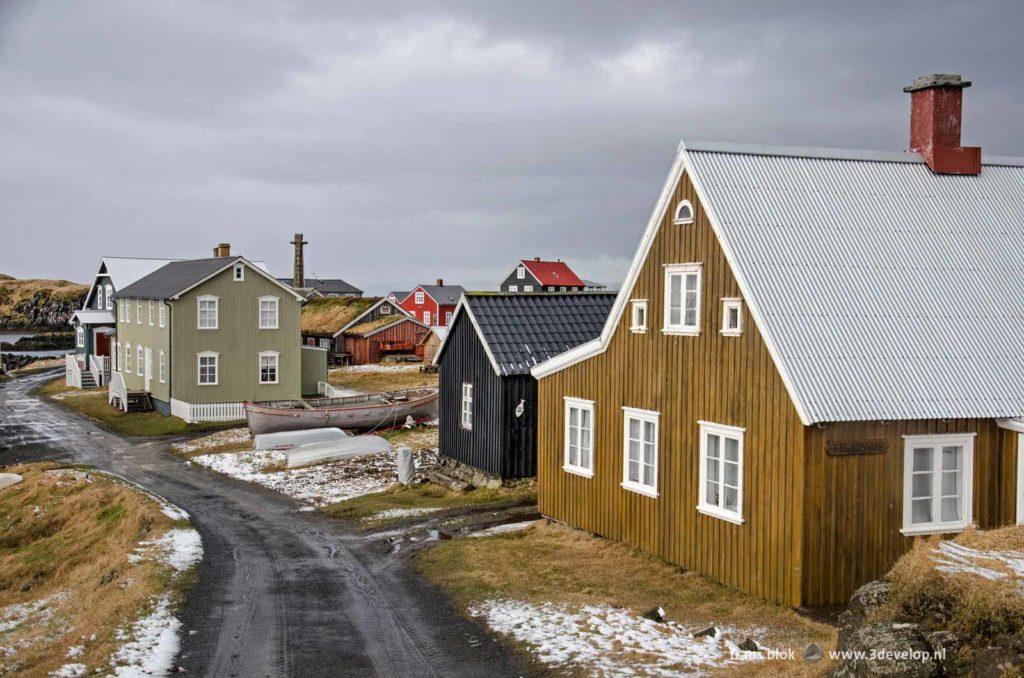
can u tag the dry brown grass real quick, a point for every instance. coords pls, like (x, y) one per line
(365, 328)
(69, 538)
(16, 292)
(327, 316)
(377, 382)
(555, 563)
(426, 495)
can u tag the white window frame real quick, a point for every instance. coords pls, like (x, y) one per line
(138, 311)
(151, 316)
(385, 309)
(238, 274)
(521, 273)
(637, 306)
(127, 367)
(684, 270)
(644, 416)
(578, 468)
(161, 313)
(427, 318)
(162, 367)
(199, 311)
(110, 296)
(723, 431)
(466, 406)
(513, 288)
(937, 442)
(277, 312)
(527, 288)
(140, 362)
(419, 298)
(447, 317)
(80, 337)
(678, 217)
(120, 311)
(277, 367)
(216, 368)
(729, 303)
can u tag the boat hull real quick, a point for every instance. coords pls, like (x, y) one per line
(359, 417)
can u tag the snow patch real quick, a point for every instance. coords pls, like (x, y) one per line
(152, 644)
(232, 436)
(502, 529)
(70, 671)
(36, 611)
(391, 514)
(412, 367)
(953, 558)
(606, 641)
(179, 548)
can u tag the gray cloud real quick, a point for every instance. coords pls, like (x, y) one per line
(424, 140)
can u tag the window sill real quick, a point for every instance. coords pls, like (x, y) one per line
(715, 512)
(681, 222)
(638, 330)
(680, 332)
(270, 328)
(924, 530)
(640, 489)
(731, 333)
(269, 383)
(207, 329)
(578, 471)
(207, 384)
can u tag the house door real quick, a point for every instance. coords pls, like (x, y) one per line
(149, 368)
(101, 343)
(1020, 478)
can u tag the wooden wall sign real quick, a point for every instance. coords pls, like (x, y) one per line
(844, 448)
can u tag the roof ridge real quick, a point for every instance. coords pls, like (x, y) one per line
(829, 153)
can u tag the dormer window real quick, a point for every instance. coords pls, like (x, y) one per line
(684, 213)
(239, 272)
(732, 317)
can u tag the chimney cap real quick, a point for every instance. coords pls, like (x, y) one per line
(937, 80)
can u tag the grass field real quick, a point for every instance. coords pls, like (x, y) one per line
(377, 381)
(68, 576)
(93, 404)
(425, 496)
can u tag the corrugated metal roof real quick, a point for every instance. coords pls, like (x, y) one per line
(889, 292)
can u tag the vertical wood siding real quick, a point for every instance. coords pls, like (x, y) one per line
(366, 350)
(499, 443)
(854, 504)
(727, 380)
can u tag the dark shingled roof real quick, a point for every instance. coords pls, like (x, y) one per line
(166, 281)
(523, 330)
(444, 294)
(325, 286)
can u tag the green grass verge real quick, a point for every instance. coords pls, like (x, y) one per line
(427, 495)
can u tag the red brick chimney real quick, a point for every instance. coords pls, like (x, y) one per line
(440, 282)
(936, 103)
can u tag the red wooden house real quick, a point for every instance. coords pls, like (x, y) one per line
(433, 305)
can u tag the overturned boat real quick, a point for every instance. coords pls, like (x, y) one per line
(359, 412)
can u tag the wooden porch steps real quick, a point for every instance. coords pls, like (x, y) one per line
(88, 381)
(139, 401)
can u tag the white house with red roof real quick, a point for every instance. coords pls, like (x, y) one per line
(535, 275)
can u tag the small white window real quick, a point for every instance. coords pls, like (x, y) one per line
(385, 309)
(721, 471)
(162, 367)
(139, 362)
(521, 272)
(115, 355)
(447, 317)
(269, 313)
(579, 437)
(732, 317)
(325, 343)
(310, 341)
(467, 406)
(426, 317)
(640, 451)
(99, 297)
(684, 213)
(938, 480)
(80, 337)
(207, 308)
(513, 288)
(138, 311)
(527, 288)
(208, 367)
(151, 310)
(419, 298)
(268, 367)
(120, 311)
(161, 313)
(127, 367)
(639, 316)
(239, 272)
(110, 297)
(682, 299)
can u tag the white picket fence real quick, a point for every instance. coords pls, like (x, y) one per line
(196, 412)
(72, 371)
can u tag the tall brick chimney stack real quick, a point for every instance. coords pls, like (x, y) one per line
(299, 279)
(222, 249)
(936, 111)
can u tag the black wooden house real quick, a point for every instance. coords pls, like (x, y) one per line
(488, 413)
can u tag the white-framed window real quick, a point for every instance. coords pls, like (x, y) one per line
(127, 367)
(638, 316)
(721, 471)
(682, 299)
(162, 367)
(447, 317)
(418, 298)
(385, 309)
(120, 311)
(426, 317)
(138, 311)
(80, 337)
(562, 289)
(466, 406)
(527, 288)
(269, 312)
(683, 214)
(110, 296)
(207, 306)
(208, 365)
(161, 313)
(325, 343)
(732, 317)
(151, 313)
(115, 356)
(521, 272)
(310, 341)
(139, 361)
(640, 451)
(268, 367)
(513, 288)
(938, 482)
(239, 272)
(100, 303)
(579, 437)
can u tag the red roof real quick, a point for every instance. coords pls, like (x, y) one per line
(553, 273)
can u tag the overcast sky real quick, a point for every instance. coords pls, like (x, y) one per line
(415, 141)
